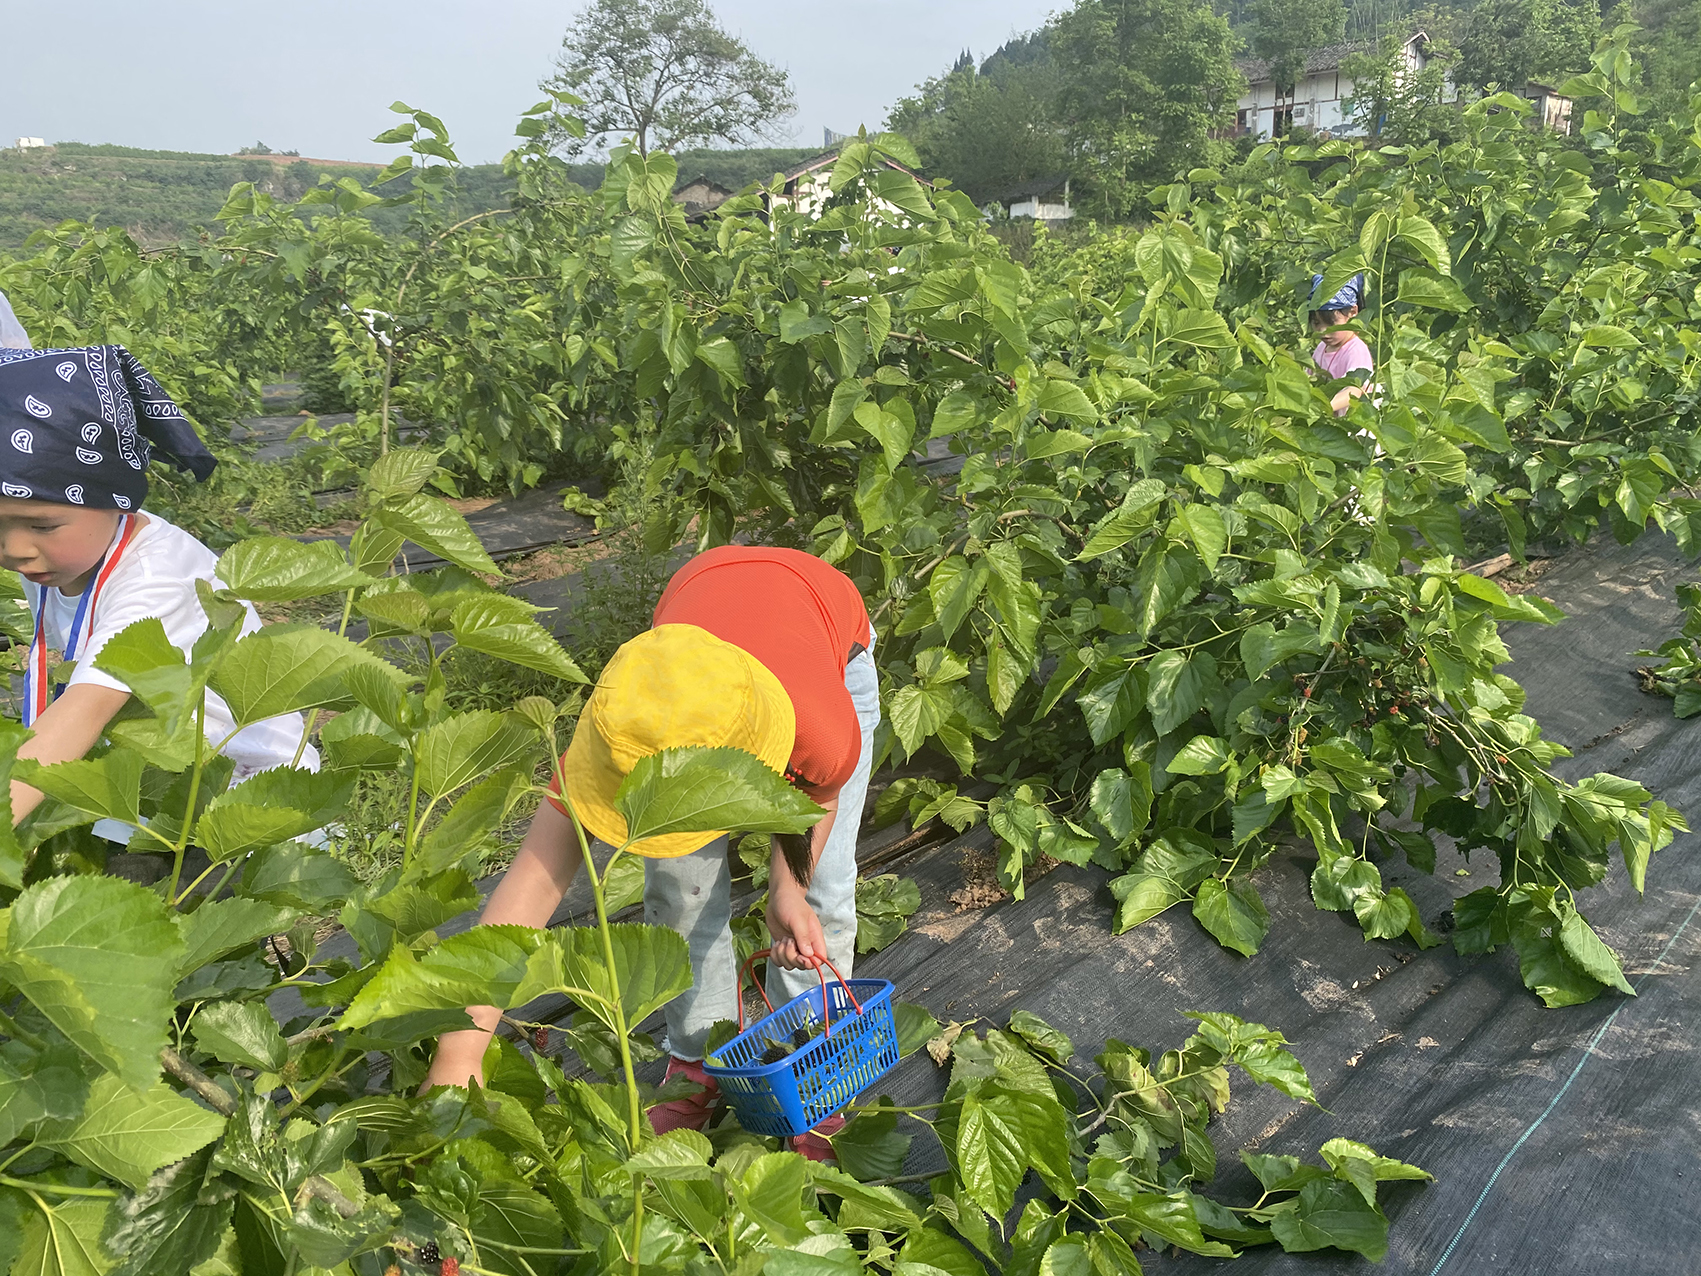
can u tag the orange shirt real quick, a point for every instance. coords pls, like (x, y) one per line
(803, 620)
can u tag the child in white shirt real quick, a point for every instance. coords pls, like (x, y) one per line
(77, 428)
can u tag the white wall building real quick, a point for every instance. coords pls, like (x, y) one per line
(806, 186)
(1318, 100)
(29, 143)
(1045, 199)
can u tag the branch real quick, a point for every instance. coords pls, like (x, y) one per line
(319, 1188)
(1007, 382)
(198, 1081)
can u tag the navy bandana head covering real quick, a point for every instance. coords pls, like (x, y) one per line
(1350, 297)
(78, 427)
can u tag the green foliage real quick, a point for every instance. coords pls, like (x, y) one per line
(282, 1142)
(883, 904)
(1171, 609)
(987, 129)
(1131, 1167)
(1284, 31)
(1510, 42)
(1147, 81)
(1389, 101)
(1680, 675)
(1669, 49)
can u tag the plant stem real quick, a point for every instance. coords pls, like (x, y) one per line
(634, 1110)
(313, 716)
(413, 828)
(9, 1026)
(32, 1186)
(881, 1107)
(229, 872)
(197, 1081)
(182, 843)
(336, 1069)
(901, 1178)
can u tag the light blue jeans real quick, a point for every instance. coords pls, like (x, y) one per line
(692, 894)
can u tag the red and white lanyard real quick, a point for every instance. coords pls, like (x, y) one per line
(36, 695)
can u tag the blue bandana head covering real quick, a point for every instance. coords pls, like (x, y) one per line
(1350, 297)
(78, 427)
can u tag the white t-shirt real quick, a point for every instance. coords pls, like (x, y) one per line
(156, 577)
(12, 334)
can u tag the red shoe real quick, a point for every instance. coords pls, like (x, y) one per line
(691, 1112)
(816, 1143)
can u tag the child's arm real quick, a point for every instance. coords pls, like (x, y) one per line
(1344, 398)
(66, 730)
(527, 895)
(799, 942)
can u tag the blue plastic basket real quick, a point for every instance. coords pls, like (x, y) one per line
(788, 1098)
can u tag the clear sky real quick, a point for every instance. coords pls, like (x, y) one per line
(317, 76)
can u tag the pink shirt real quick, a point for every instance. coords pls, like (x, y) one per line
(1354, 356)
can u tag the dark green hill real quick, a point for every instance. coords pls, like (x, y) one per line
(161, 196)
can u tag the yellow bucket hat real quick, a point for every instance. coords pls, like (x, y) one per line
(673, 686)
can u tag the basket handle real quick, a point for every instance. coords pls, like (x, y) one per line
(826, 1009)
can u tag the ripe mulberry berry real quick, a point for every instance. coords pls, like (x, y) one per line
(451, 1267)
(540, 1039)
(429, 1253)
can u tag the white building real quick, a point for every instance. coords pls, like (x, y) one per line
(806, 185)
(1319, 100)
(29, 143)
(1044, 199)
(1552, 109)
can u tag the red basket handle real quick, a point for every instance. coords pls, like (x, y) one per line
(826, 1010)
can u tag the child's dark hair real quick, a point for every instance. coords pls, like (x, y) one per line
(795, 847)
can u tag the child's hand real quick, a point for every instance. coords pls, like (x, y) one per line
(799, 942)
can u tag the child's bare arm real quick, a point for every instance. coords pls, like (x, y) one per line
(527, 895)
(1344, 397)
(66, 730)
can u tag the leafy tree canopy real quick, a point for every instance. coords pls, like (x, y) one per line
(666, 74)
(1284, 31)
(990, 129)
(1146, 82)
(1510, 42)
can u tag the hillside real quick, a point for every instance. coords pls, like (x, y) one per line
(160, 196)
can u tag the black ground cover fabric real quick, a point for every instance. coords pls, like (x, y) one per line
(1562, 1140)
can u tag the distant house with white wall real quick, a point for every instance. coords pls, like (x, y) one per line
(1044, 199)
(1552, 108)
(29, 143)
(1319, 100)
(700, 196)
(806, 186)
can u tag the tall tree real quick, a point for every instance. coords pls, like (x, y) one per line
(1669, 48)
(989, 129)
(1393, 104)
(666, 74)
(1510, 42)
(1282, 32)
(1144, 82)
